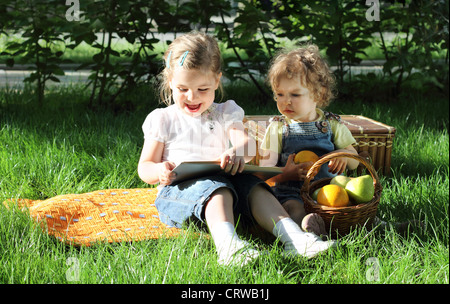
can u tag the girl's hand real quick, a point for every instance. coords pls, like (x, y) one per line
(231, 163)
(337, 165)
(165, 174)
(298, 172)
(292, 171)
(303, 170)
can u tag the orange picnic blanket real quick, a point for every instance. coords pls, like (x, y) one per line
(112, 215)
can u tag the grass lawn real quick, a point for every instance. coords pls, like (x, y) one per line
(67, 149)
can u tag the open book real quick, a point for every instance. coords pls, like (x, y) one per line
(194, 169)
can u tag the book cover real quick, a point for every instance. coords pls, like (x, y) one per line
(194, 169)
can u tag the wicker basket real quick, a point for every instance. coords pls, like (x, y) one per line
(340, 220)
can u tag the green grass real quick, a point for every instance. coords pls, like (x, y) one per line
(64, 148)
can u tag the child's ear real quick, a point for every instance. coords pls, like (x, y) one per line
(218, 77)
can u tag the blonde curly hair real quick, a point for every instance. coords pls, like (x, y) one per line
(306, 63)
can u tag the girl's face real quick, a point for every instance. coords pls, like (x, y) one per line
(193, 90)
(294, 100)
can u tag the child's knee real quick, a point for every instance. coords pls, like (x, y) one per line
(294, 208)
(223, 193)
(258, 189)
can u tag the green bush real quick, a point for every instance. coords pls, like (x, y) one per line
(411, 35)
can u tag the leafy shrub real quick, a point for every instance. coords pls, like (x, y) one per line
(251, 30)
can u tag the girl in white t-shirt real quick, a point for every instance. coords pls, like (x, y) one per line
(197, 128)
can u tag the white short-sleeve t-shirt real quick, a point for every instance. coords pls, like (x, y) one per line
(188, 138)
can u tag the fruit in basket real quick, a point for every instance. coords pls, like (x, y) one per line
(315, 193)
(340, 180)
(333, 196)
(361, 189)
(306, 156)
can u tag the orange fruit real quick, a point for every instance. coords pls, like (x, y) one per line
(333, 196)
(306, 156)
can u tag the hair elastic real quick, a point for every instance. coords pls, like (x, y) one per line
(183, 58)
(168, 60)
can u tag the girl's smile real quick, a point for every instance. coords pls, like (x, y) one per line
(193, 90)
(193, 108)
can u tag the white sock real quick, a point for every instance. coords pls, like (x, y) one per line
(298, 242)
(287, 230)
(226, 240)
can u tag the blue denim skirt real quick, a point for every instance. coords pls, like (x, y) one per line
(184, 202)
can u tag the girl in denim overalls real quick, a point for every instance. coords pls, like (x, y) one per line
(302, 84)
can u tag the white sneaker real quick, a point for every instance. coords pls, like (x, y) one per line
(309, 246)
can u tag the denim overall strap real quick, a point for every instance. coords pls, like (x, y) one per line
(313, 136)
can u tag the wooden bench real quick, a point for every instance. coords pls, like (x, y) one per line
(374, 139)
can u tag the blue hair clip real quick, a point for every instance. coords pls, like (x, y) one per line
(168, 60)
(183, 58)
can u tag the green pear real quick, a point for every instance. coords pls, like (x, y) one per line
(315, 193)
(340, 180)
(361, 189)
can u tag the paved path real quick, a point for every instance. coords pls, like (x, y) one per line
(13, 77)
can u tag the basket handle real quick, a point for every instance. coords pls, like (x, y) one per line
(329, 156)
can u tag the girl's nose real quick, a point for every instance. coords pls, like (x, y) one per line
(190, 95)
(286, 100)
